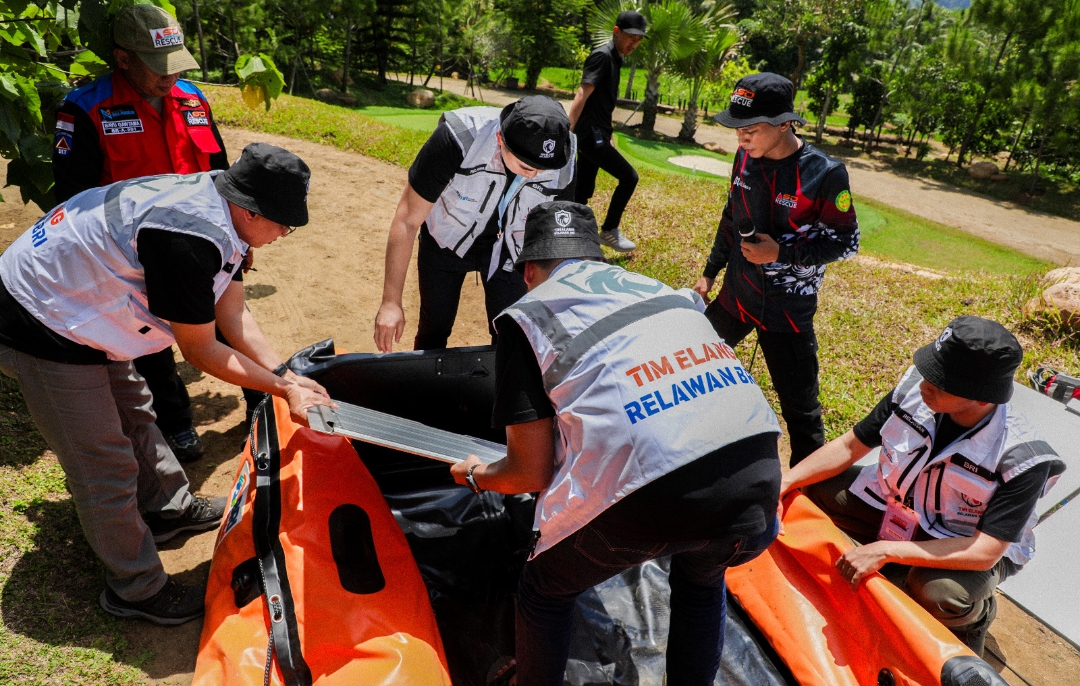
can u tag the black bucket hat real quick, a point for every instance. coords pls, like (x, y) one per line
(537, 131)
(269, 181)
(973, 358)
(763, 98)
(559, 230)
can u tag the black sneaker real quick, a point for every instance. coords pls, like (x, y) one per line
(173, 605)
(202, 515)
(185, 444)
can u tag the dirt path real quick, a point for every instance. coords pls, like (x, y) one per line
(1034, 233)
(325, 281)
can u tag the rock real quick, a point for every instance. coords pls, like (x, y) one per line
(421, 98)
(999, 177)
(1060, 299)
(336, 75)
(715, 147)
(847, 143)
(332, 97)
(983, 170)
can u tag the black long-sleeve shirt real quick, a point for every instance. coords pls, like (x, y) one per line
(804, 203)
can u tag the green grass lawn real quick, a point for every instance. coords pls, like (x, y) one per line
(655, 154)
(869, 321)
(406, 118)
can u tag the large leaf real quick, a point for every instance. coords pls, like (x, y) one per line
(260, 79)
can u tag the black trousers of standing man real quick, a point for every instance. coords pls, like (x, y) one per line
(592, 159)
(793, 366)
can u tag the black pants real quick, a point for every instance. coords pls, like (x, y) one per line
(172, 405)
(793, 367)
(592, 159)
(440, 292)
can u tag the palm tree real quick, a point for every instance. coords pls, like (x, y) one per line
(714, 41)
(670, 38)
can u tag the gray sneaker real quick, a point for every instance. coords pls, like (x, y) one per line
(185, 444)
(202, 515)
(173, 605)
(616, 241)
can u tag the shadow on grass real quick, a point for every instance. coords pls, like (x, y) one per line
(20, 443)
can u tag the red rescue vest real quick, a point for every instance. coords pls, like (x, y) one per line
(137, 141)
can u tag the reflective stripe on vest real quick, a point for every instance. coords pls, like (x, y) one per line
(76, 270)
(641, 385)
(465, 206)
(950, 491)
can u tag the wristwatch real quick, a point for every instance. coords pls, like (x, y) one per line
(280, 369)
(471, 480)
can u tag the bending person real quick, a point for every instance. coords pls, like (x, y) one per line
(163, 254)
(469, 191)
(952, 497)
(642, 432)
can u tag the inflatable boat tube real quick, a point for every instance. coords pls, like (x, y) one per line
(312, 581)
(831, 635)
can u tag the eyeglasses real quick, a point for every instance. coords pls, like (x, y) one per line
(288, 229)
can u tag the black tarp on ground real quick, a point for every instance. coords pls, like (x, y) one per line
(470, 548)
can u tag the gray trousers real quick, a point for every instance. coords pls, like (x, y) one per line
(959, 599)
(99, 421)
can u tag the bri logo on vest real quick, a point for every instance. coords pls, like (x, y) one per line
(688, 389)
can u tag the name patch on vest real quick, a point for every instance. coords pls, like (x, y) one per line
(688, 389)
(190, 102)
(120, 120)
(972, 468)
(196, 118)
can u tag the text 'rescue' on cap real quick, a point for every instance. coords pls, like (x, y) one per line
(537, 131)
(763, 98)
(155, 36)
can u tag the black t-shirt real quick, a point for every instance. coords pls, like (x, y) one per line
(1011, 505)
(430, 173)
(179, 270)
(602, 70)
(731, 491)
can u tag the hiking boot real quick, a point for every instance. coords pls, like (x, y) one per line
(185, 444)
(202, 515)
(616, 241)
(173, 605)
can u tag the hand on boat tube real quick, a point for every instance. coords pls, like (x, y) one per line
(301, 397)
(861, 561)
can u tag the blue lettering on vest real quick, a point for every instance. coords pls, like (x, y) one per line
(37, 233)
(742, 375)
(728, 376)
(660, 399)
(714, 383)
(649, 405)
(633, 411)
(694, 386)
(680, 397)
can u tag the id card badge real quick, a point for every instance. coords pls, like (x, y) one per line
(899, 523)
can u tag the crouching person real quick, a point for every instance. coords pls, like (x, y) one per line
(119, 272)
(644, 435)
(952, 497)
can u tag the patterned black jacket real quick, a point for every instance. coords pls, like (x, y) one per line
(804, 202)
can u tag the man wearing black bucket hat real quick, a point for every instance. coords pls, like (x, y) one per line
(590, 117)
(470, 189)
(951, 500)
(644, 435)
(163, 254)
(788, 214)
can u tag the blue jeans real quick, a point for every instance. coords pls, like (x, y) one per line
(551, 582)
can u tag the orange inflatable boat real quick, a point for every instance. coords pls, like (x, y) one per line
(312, 581)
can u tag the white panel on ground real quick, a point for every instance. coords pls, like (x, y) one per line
(1059, 427)
(1046, 587)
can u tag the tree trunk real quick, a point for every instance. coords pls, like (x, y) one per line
(652, 97)
(982, 103)
(202, 41)
(292, 77)
(1016, 141)
(630, 82)
(801, 45)
(532, 72)
(824, 113)
(345, 69)
(689, 122)
(1038, 162)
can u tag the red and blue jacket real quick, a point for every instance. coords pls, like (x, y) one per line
(107, 132)
(804, 203)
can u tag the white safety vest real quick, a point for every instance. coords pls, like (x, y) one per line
(950, 491)
(76, 270)
(463, 210)
(641, 385)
